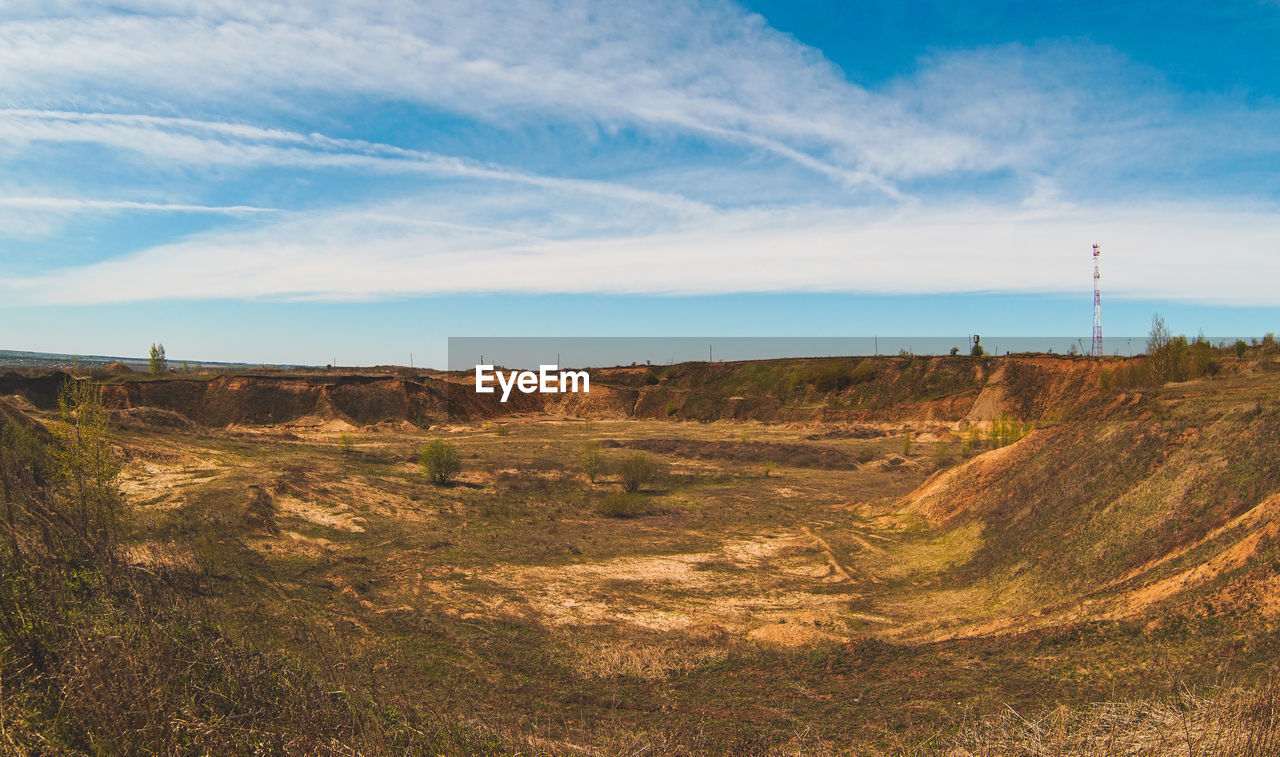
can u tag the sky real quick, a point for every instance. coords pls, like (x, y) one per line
(307, 182)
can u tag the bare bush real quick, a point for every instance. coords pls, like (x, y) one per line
(635, 470)
(591, 459)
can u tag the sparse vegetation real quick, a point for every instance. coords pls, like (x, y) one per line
(346, 444)
(1006, 430)
(88, 471)
(626, 504)
(635, 470)
(837, 375)
(384, 613)
(942, 456)
(591, 460)
(440, 461)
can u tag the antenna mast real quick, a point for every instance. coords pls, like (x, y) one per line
(1097, 305)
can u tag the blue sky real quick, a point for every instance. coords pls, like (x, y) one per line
(299, 182)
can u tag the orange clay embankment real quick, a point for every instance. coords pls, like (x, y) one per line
(1138, 504)
(950, 389)
(269, 399)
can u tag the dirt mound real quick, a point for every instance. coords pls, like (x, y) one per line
(116, 367)
(150, 417)
(1137, 506)
(794, 634)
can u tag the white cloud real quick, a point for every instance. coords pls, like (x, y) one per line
(211, 143)
(706, 69)
(1152, 252)
(1061, 123)
(74, 204)
(710, 69)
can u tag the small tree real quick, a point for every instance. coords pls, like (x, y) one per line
(592, 460)
(942, 453)
(87, 468)
(636, 470)
(440, 461)
(1159, 335)
(977, 350)
(156, 361)
(972, 441)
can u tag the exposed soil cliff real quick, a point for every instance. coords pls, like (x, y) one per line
(836, 390)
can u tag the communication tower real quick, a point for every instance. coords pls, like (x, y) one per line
(1097, 305)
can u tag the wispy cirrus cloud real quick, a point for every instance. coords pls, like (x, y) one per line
(707, 69)
(213, 143)
(74, 204)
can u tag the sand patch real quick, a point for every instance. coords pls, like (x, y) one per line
(336, 517)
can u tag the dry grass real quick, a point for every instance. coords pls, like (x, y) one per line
(1237, 722)
(813, 612)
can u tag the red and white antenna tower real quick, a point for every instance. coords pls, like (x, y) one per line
(1097, 305)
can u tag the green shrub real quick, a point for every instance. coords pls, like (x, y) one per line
(591, 459)
(635, 470)
(973, 440)
(1006, 430)
(623, 505)
(26, 451)
(440, 461)
(86, 464)
(1173, 358)
(768, 467)
(346, 444)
